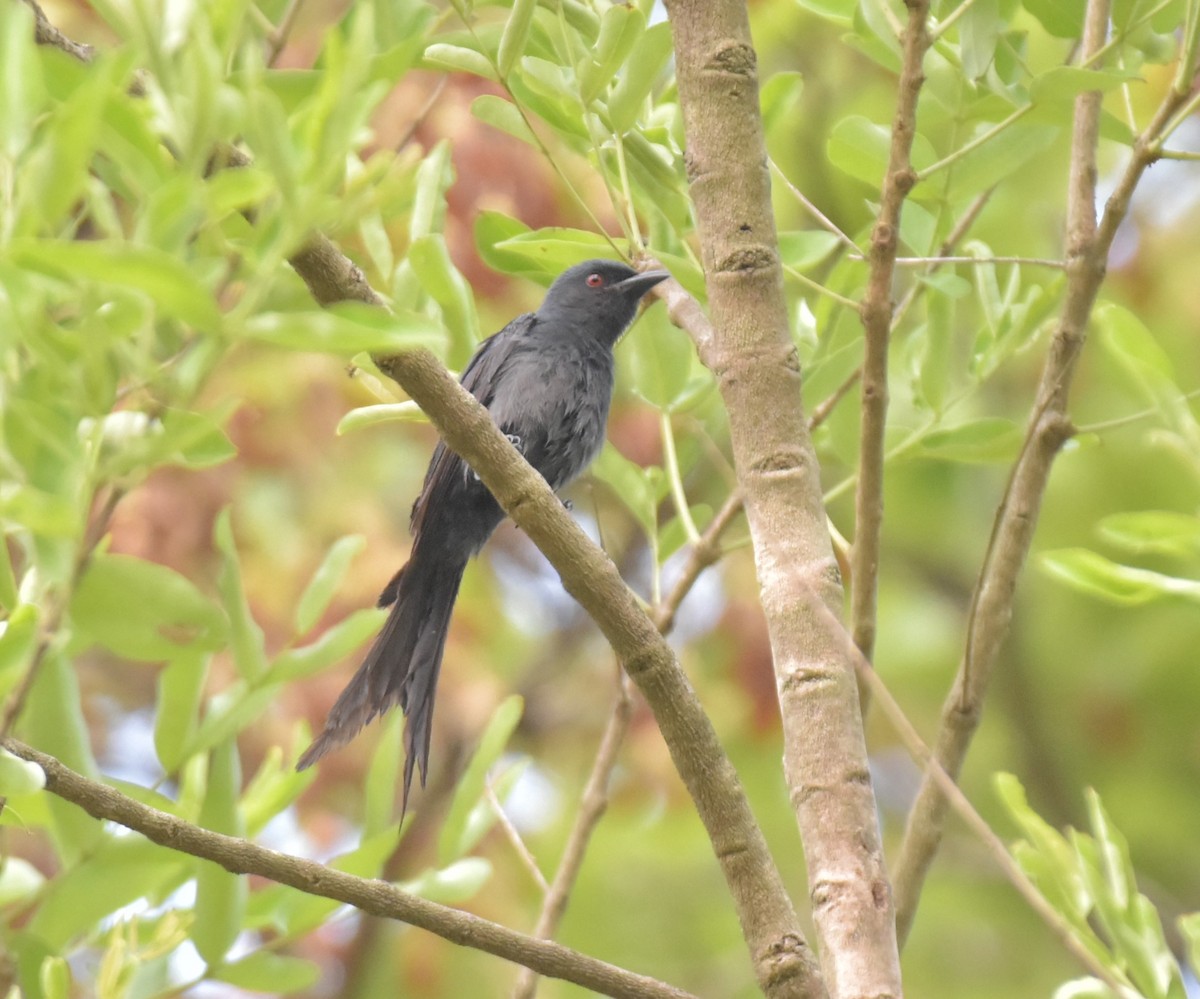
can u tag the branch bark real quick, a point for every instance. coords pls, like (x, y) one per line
(751, 353)
(1088, 246)
(370, 895)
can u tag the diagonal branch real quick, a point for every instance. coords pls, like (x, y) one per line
(1088, 245)
(379, 898)
(877, 327)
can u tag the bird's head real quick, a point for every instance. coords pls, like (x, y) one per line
(598, 297)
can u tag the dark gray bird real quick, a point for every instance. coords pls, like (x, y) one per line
(547, 380)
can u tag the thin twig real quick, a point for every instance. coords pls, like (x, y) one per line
(371, 895)
(430, 102)
(48, 34)
(822, 410)
(877, 327)
(703, 553)
(1123, 421)
(961, 228)
(950, 19)
(280, 35)
(1060, 265)
(826, 223)
(591, 808)
(513, 836)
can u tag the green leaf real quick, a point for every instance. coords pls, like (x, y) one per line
(18, 639)
(983, 440)
(383, 777)
(342, 329)
(59, 168)
(118, 872)
(493, 229)
(431, 261)
(860, 148)
(142, 610)
(621, 27)
(1120, 584)
(9, 597)
(452, 884)
(660, 357)
(455, 58)
(272, 789)
(434, 176)
(1062, 18)
(999, 158)
(804, 248)
(18, 776)
(840, 12)
(978, 30)
(629, 484)
(249, 645)
(1046, 856)
(263, 971)
(502, 115)
(471, 785)
(642, 69)
(1160, 532)
(1129, 340)
(315, 599)
(229, 191)
(180, 690)
(133, 443)
(22, 93)
(554, 249)
(516, 34)
(1189, 929)
(175, 288)
(230, 712)
(1063, 84)
(386, 412)
(779, 99)
(53, 721)
(332, 646)
(220, 895)
(1083, 988)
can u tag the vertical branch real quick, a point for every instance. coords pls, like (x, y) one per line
(591, 808)
(751, 353)
(1049, 427)
(877, 324)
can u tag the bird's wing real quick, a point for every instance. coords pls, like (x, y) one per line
(446, 469)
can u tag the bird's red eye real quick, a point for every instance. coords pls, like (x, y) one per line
(594, 280)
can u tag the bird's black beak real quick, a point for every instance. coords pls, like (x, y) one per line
(635, 287)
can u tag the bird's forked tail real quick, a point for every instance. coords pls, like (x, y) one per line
(402, 665)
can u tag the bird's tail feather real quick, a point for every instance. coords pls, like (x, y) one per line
(402, 665)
